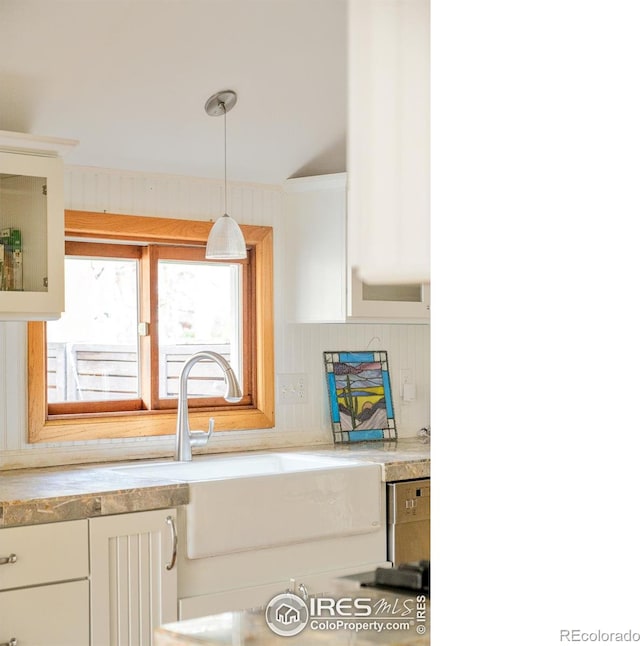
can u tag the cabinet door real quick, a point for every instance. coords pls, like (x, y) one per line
(132, 589)
(31, 237)
(55, 615)
(388, 139)
(315, 258)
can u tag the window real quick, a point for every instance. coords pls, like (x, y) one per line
(92, 350)
(136, 310)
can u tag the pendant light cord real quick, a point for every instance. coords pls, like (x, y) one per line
(224, 107)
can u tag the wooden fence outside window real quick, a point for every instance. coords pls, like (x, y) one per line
(92, 372)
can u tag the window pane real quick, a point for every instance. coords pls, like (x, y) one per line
(198, 309)
(92, 350)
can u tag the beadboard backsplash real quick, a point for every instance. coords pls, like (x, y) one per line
(298, 347)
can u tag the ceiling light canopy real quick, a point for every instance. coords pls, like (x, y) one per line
(225, 241)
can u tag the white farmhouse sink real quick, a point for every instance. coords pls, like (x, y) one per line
(240, 503)
(235, 466)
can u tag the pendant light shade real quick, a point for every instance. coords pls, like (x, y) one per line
(225, 241)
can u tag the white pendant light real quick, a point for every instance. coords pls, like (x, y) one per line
(225, 241)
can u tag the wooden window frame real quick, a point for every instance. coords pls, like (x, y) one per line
(97, 250)
(256, 412)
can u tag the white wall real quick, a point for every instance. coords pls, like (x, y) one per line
(298, 348)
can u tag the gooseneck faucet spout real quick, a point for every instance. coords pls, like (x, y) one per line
(186, 438)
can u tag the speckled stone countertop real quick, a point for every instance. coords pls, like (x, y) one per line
(51, 494)
(405, 459)
(249, 627)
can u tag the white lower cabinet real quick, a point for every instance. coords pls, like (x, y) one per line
(257, 596)
(105, 581)
(249, 579)
(132, 588)
(47, 615)
(111, 580)
(242, 598)
(44, 589)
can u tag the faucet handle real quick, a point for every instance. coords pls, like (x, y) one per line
(200, 438)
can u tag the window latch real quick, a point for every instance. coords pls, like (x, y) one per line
(143, 328)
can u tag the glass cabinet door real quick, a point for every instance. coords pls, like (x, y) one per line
(31, 237)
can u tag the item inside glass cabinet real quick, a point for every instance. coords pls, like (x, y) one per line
(11, 260)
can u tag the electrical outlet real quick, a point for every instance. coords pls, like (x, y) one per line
(406, 376)
(292, 389)
(408, 386)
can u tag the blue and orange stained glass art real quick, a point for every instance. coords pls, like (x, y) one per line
(360, 402)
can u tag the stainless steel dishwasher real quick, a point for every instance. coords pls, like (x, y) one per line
(408, 521)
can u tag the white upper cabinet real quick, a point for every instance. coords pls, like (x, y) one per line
(321, 285)
(31, 227)
(388, 140)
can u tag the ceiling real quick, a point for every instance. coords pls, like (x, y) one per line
(129, 80)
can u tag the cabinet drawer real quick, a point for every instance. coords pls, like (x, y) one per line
(44, 553)
(230, 600)
(55, 615)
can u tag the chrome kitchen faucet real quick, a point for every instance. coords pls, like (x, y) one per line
(186, 438)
